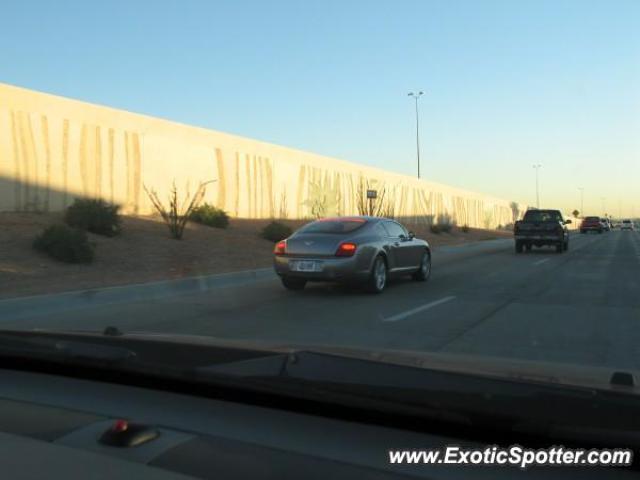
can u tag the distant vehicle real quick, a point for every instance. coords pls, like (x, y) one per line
(627, 225)
(351, 249)
(591, 224)
(541, 227)
(606, 223)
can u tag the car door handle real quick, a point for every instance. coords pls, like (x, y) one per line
(397, 244)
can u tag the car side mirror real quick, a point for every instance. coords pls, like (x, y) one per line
(568, 221)
(412, 235)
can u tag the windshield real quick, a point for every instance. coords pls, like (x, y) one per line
(333, 226)
(419, 178)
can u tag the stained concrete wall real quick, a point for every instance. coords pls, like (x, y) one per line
(54, 149)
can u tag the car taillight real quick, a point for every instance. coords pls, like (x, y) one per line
(346, 249)
(280, 247)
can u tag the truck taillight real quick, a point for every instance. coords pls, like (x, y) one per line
(346, 249)
(280, 248)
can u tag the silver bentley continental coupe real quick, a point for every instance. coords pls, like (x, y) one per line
(359, 249)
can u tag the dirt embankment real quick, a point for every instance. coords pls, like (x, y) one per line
(144, 252)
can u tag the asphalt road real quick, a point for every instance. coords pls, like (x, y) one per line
(580, 307)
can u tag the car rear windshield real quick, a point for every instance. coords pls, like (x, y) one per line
(333, 226)
(626, 221)
(542, 216)
(592, 219)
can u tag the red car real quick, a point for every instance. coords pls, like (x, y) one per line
(591, 224)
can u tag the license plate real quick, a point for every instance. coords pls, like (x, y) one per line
(305, 266)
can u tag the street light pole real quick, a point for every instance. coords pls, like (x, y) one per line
(619, 208)
(537, 167)
(581, 201)
(416, 96)
(603, 207)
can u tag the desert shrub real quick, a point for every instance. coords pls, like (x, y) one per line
(388, 210)
(445, 222)
(440, 227)
(465, 228)
(175, 216)
(65, 244)
(445, 227)
(275, 231)
(210, 215)
(375, 207)
(95, 216)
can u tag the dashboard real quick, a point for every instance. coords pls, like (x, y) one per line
(54, 427)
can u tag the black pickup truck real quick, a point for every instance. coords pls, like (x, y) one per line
(541, 227)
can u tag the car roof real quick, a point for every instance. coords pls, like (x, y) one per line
(352, 218)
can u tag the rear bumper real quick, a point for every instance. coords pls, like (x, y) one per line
(333, 269)
(540, 239)
(591, 228)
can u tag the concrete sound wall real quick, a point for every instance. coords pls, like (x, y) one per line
(54, 149)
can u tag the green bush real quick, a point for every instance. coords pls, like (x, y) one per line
(65, 244)
(276, 231)
(210, 215)
(95, 216)
(439, 228)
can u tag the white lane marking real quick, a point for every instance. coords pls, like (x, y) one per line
(413, 311)
(540, 262)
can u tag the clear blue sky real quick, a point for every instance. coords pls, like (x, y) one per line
(508, 83)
